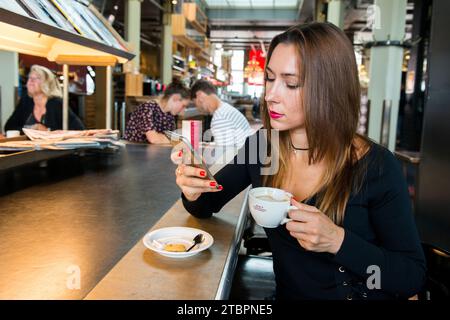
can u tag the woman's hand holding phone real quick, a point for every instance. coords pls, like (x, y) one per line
(192, 181)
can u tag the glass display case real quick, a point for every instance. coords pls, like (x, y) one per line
(13, 6)
(69, 10)
(64, 31)
(96, 25)
(48, 13)
(82, 18)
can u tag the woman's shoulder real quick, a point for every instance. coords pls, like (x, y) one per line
(25, 102)
(151, 104)
(148, 106)
(54, 102)
(382, 155)
(382, 165)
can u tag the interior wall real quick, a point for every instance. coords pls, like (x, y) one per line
(433, 202)
(9, 81)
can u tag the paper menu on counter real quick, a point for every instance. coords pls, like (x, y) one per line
(63, 140)
(69, 134)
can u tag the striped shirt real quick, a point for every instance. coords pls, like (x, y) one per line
(229, 126)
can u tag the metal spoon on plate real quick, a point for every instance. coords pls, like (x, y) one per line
(197, 239)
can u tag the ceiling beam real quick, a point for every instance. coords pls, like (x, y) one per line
(244, 34)
(246, 25)
(255, 14)
(256, 27)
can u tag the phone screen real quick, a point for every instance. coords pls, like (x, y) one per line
(196, 160)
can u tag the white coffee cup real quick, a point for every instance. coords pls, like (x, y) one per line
(12, 133)
(270, 206)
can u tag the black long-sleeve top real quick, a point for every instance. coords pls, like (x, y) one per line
(53, 115)
(380, 232)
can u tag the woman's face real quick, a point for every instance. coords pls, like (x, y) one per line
(176, 104)
(34, 84)
(283, 89)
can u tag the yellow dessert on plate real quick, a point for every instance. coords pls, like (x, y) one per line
(175, 247)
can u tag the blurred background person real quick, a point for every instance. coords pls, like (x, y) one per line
(229, 127)
(148, 121)
(42, 107)
(255, 109)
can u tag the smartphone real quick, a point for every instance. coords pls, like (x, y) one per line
(196, 160)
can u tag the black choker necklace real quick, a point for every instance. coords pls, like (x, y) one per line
(295, 148)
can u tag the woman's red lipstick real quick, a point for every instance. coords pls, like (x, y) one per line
(275, 115)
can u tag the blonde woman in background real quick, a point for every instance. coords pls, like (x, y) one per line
(42, 108)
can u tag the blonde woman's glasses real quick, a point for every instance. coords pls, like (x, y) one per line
(33, 79)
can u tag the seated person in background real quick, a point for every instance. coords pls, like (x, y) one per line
(228, 126)
(42, 108)
(152, 118)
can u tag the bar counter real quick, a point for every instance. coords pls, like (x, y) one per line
(73, 230)
(144, 274)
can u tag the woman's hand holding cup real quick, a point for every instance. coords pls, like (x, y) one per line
(313, 229)
(192, 180)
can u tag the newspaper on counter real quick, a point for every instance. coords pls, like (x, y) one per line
(64, 139)
(69, 134)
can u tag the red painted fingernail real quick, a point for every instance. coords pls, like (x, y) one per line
(220, 187)
(180, 153)
(212, 184)
(203, 173)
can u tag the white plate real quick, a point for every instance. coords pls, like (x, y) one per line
(182, 235)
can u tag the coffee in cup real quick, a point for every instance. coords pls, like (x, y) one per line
(270, 198)
(270, 206)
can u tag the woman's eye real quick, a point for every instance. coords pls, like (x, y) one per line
(269, 79)
(292, 86)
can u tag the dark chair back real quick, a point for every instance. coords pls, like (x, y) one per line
(255, 240)
(437, 286)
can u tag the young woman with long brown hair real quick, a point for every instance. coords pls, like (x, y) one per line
(354, 218)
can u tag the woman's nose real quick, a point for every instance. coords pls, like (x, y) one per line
(272, 93)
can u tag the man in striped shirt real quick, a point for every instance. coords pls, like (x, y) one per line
(228, 126)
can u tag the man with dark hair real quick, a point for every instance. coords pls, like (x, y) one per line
(228, 126)
(204, 86)
(149, 121)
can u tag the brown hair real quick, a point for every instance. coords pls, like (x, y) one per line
(176, 87)
(330, 98)
(204, 86)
